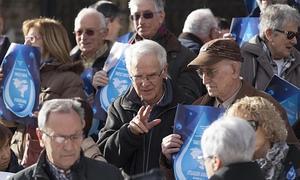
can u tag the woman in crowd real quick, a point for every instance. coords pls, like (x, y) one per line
(8, 160)
(60, 77)
(277, 159)
(272, 52)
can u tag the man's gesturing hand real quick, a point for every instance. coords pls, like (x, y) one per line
(140, 123)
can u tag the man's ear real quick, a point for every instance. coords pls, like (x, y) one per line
(162, 15)
(39, 134)
(236, 67)
(104, 32)
(217, 163)
(165, 72)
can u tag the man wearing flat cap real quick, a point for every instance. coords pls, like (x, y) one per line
(218, 64)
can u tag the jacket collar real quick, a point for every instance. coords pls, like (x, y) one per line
(164, 37)
(186, 35)
(236, 170)
(246, 88)
(42, 170)
(256, 47)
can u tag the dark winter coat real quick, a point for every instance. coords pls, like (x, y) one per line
(239, 171)
(137, 153)
(191, 42)
(60, 80)
(85, 169)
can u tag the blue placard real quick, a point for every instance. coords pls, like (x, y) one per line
(119, 82)
(190, 122)
(125, 37)
(87, 78)
(244, 28)
(287, 95)
(21, 84)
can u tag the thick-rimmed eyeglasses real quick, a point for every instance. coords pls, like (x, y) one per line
(254, 124)
(146, 15)
(202, 158)
(289, 34)
(150, 77)
(62, 139)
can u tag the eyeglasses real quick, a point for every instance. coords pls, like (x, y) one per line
(254, 124)
(62, 139)
(150, 77)
(89, 32)
(145, 14)
(289, 34)
(208, 72)
(202, 158)
(32, 38)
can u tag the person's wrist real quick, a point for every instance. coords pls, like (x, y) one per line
(132, 130)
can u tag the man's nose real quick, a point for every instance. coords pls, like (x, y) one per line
(141, 19)
(145, 81)
(68, 145)
(205, 79)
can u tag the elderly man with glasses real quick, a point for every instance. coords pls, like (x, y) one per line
(60, 132)
(272, 52)
(138, 120)
(148, 21)
(92, 49)
(90, 31)
(218, 63)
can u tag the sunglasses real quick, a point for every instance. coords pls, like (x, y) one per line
(146, 15)
(289, 34)
(254, 124)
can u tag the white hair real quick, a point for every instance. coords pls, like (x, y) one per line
(230, 138)
(159, 4)
(142, 48)
(59, 106)
(89, 11)
(276, 17)
(200, 22)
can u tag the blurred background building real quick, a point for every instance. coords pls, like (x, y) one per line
(16, 11)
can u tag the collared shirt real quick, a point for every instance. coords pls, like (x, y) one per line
(226, 104)
(59, 174)
(279, 66)
(88, 62)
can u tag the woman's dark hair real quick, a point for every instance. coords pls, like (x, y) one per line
(107, 8)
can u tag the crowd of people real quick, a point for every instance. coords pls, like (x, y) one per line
(135, 138)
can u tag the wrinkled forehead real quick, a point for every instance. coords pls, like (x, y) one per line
(88, 21)
(142, 5)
